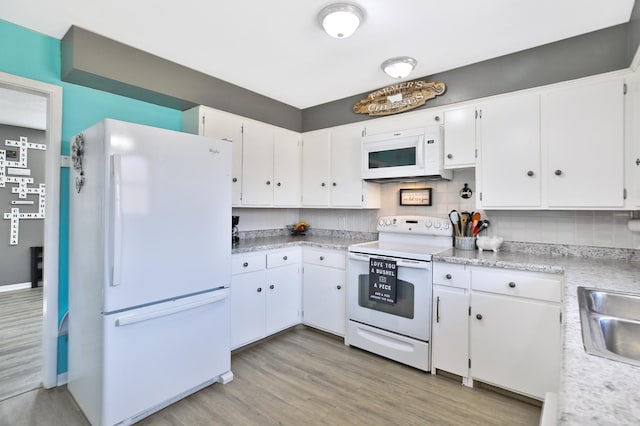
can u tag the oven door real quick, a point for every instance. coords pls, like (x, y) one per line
(410, 315)
(397, 154)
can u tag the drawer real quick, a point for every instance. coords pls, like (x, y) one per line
(451, 275)
(243, 263)
(283, 258)
(517, 283)
(332, 259)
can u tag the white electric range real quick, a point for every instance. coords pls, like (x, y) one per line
(389, 288)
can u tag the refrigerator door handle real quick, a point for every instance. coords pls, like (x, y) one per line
(136, 318)
(116, 168)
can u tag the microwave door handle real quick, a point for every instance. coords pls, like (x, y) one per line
(420, 153)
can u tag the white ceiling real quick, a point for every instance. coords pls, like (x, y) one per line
(277, 48)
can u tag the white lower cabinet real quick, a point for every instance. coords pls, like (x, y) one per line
(499, 326)
(265, 294)
(450, 337)
(324, 290)
(515, 333)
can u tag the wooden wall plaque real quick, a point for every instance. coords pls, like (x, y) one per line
(399, 97)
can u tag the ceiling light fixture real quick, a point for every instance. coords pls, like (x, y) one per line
(398, 67)
(340, 20)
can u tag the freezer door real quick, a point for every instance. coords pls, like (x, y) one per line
(169, 215)
(155, 353)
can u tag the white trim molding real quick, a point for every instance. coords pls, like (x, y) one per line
(53, 136)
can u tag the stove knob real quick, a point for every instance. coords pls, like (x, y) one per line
(428, 224)
(387, 222)
(438, 225)
(381, 222)
(445, 225)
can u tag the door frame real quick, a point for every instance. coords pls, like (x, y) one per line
(53, 136)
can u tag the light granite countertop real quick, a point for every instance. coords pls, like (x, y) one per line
(593, 390)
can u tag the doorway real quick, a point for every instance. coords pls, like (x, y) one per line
(52, 138)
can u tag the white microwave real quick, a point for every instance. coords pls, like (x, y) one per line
(405, 154)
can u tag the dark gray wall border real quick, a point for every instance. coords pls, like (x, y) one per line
(95, 61)
(91, 60)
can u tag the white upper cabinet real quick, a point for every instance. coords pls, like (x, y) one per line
(508, 170)
(286, 168)
(460, 137)
(407, 120)
(583, 143)
(562, 148)
(220, 125)
(315, 168)
(632, 153)
(257, 162)
(331, 175)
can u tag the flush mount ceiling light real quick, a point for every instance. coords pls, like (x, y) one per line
(340, 20)
(399, 67)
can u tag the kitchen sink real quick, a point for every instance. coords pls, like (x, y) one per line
(610, 323)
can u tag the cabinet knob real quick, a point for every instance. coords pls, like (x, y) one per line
(437, 118)
(259, 289)
(321, 257)
(339, 287)
(530, 173)
(323, 184)
(272, 286)
(268, 182)
(479, 316)
(234, 180)
(512, 284)
(448, 276)
(335, 184)
(279, 184)
(637, 161)
(284, 257)
(449, 156)
(245, 264)
(558, 172)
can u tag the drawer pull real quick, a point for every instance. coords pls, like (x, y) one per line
(259, 289)
(512, 284)
(448, 276)
(321, 257)
(339, 287)
(245, 264)
(284, 257)
(272, 286)
(479, 316)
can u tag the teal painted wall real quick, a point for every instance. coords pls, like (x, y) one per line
(32, 55)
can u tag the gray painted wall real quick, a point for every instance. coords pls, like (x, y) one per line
(589, 54)
(15, 265)
(95, 61)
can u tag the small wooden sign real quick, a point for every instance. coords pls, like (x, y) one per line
(399, 97)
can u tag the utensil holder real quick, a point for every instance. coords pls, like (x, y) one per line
(466, 243)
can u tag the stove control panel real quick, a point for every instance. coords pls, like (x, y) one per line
(421, 225)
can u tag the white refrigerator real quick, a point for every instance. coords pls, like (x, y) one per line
(149, 268)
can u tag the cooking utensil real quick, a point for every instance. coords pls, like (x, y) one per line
(483, 225)
(475, 218)
(454, 216)
(463, 220)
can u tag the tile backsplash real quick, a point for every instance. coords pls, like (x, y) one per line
(583, 228)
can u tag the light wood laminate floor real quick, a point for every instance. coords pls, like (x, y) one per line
(304, 377)
(20, 341)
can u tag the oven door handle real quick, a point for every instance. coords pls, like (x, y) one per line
(401, 263)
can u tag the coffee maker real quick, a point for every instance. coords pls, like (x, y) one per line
(235, 234)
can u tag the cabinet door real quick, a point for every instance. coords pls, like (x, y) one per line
(632, 157)
(515, 343)
(315, 168)
(286, 169)
(324, 298)
(248, 312)
(450, 345)
(257, 165)
(283, 297)
(583, 138)
(508, 172)
(346, 179)
(460, 137)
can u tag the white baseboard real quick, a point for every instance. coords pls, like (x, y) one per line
(62, 379)
(12, 287)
